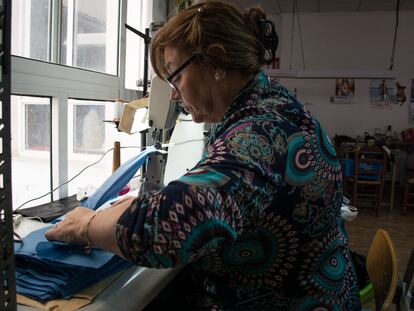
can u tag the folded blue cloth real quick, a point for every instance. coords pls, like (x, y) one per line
(114, 184)
(47, 270)
(37, 246)
(32, 281)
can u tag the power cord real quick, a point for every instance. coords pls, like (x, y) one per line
(92, 164)
(66, 182)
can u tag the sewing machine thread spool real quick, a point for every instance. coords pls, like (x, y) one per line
(116, 156)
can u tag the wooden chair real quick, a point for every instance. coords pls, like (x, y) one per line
(381, 266)
(366, 184)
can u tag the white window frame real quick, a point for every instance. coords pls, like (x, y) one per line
(36, 78)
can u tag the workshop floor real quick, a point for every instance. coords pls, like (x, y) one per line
(400, 227)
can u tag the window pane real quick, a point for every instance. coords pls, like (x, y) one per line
(139, 17)
(89, 129)
(30, 28)
(90, 34)
(30, 131)
(90, 138)
(37, 127)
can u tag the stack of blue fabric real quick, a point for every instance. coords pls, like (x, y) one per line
(49, 270)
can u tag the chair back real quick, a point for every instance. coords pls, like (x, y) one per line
(370, 163)
(381, 265)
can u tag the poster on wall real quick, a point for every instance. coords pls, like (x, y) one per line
(381, 93)
(344, 91)
(401, 98)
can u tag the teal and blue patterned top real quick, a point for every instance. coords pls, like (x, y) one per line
(258, 218)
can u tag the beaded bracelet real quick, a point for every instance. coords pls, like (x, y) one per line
(88, 245)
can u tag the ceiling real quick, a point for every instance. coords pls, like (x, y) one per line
(286, 6)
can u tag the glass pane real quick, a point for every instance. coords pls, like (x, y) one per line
(37, 127)
(30, 131)
(89, 36)
(89, 129)
(139, 17)
(90, 138)
(30, 28)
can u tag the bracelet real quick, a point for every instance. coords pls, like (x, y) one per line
(88, 244)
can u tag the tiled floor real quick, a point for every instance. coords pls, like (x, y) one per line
(361, 230)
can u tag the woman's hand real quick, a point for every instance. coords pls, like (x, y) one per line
(77, 226)
(72, 229)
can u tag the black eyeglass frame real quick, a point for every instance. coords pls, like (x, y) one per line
(170, 78)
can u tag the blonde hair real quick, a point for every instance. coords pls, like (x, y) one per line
(215, 31)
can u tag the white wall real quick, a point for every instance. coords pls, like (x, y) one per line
(349, 41)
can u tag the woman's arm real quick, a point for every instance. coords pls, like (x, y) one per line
(78, 226)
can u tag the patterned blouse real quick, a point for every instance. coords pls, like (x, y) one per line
(258, 217)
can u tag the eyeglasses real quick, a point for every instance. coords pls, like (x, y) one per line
(170, 78)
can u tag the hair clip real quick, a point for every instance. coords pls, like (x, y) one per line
(201, 11)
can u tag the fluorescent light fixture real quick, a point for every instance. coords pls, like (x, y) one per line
(330, 74)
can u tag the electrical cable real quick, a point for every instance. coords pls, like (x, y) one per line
(92, 164)
(397, 13)
(292, 34)
(301, 39)
(68, 181)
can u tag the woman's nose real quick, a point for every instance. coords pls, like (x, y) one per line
(175, 95)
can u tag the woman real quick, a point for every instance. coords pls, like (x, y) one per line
(258, 219)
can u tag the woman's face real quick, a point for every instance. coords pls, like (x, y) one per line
(194, 84)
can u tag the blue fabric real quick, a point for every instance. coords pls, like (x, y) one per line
(114, 184)
(32, 281)
(48, 270)
(36, 245)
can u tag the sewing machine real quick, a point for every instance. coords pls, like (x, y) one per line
(137, 286)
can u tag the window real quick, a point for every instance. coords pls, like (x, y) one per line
(37, 126)
(88, 32)
(30, 29)
(30, 132)
(53, 42)
(138, 17)
(89, 138)
(88, 128)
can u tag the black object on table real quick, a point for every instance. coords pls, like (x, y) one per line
(52, 210)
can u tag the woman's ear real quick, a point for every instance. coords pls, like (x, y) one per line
(220, 51)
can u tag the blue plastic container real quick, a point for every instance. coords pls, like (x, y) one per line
(348, 169)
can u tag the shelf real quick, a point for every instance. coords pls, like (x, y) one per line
(330, 74)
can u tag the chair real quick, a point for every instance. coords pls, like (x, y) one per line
(366, 182)
(381, 266)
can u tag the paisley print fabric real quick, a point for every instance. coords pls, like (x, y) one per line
(258, 218)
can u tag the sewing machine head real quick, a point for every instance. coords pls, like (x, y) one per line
(163, 112)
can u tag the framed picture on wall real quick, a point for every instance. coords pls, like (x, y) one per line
(344, 91)
(382, 94)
